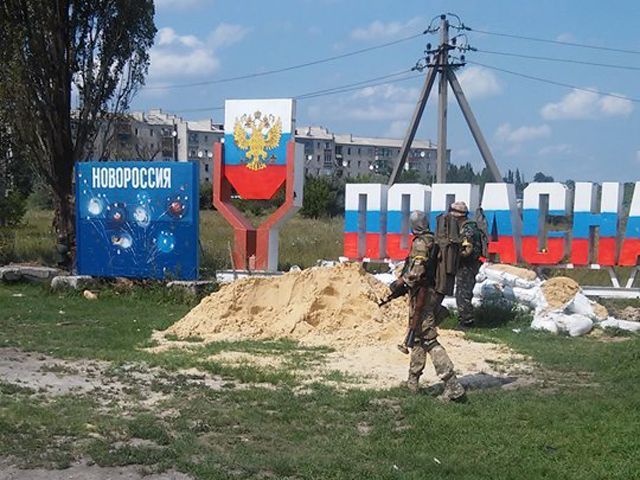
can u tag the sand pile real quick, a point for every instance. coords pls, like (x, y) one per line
(322, 305)
(559, 291)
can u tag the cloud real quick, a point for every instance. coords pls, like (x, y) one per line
(379, 30)
(585, 104)
(388, 102)
(507, 134)
(566, 37)
(397, 129)
(180, 4)
(560, 149)
(479, 82)
(176, 55)
(227, 34)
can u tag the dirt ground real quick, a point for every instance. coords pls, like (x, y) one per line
(87, 472)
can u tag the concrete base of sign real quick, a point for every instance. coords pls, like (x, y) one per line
(73, 282)
(228, 276)
(28, 273)
(194, 287)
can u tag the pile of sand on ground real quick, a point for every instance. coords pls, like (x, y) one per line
(320, 305)
(523, 273)
(559, 291)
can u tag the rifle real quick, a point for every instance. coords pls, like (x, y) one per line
(414, 323)
(398, 289)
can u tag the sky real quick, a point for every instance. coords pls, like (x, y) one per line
(568, 133)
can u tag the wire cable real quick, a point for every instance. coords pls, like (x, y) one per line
(554, 82)
(561, 60)
(555, 42)
(286, 69)
(371, 82)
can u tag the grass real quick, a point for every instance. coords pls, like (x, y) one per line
(302, 241)
(581, 423)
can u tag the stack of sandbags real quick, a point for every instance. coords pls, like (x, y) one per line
(567, 309)
(508, 285)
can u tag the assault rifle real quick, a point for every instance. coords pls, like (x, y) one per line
(398, 289)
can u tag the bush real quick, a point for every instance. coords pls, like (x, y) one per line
(206, 196)
(12, 209)
(323, 197)
(41, 198)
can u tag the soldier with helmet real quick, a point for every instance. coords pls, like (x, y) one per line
(419, 277)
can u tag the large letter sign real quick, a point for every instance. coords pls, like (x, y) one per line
(553, 226)
(258, 157)
(137, 219)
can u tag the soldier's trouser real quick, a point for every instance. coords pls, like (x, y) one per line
(427, 343)
(465, 281)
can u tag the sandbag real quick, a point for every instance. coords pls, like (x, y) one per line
(575, 325)
(506, 278)
(621, 324)
(543, 322)
(581, 305)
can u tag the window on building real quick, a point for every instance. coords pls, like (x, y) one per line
(328, 162)
(349, 151)
(359, 151)
(206, 138)
(327, 145)
(359, 163)
(206, 167)
(136, 131)
(339, 150)
(318, 145)
(318, 158)
(151, 132)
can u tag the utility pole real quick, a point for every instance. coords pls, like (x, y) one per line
(437, 62)
(441, 165)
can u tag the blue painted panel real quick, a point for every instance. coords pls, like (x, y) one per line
(394, 221)
(351, 222)
(502, 219)
(234, 156)
(633, 227)
(137, 219)
(582, 221)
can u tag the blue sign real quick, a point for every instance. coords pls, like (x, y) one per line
(137, 219)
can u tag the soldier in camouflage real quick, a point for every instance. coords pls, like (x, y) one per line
(471, 251)
(420, 278)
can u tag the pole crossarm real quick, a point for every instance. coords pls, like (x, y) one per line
(441, 66)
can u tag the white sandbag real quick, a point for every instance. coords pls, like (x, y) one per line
(575, 325)
(581, 305)
(621, 324)
(506, 278)
(386, 278)
(487, 289)
(450, 303)
(531, 297)
(543, 322)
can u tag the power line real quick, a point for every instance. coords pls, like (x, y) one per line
(371, 82)
(285, 69)
(556, 42)
(560, 60)
(554, 82)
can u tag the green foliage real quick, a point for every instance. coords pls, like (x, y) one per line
(40, 198)
(206, 196)
(323, 197)
(542, 178)
(12, 209)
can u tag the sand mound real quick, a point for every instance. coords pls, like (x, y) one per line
(321, 305)
(558, 291)
(523, 273)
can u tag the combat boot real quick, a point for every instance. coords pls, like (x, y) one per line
(412, 384)
(453, 391)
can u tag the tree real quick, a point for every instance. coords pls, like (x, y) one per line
(542, 178)
(53, 50)
(323, 197)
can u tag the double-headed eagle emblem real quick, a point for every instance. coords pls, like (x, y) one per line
(256, 134)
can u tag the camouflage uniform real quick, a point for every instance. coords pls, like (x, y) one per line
(470, 253)
(417, 277)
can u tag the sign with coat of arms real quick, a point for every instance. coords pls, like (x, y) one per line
(256, 133)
